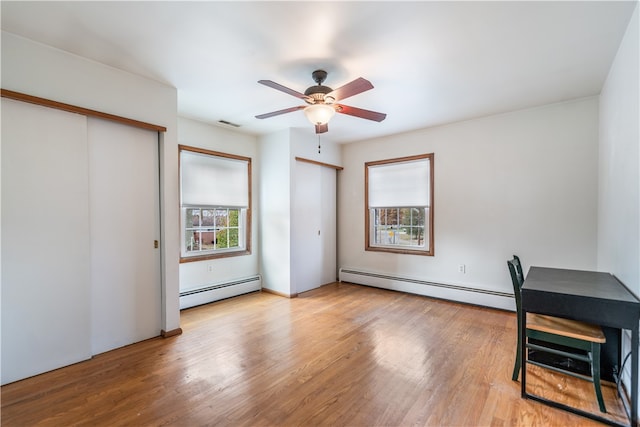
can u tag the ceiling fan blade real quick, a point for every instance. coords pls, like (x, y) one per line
(277, 113)
(322, 128)
(284, 89)
(355, 87)
(359, 112)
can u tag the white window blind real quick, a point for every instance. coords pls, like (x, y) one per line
(207, 180)
(399, 184)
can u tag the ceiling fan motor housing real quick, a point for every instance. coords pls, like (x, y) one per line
(317, 93)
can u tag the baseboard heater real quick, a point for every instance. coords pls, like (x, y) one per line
(466, 294)
(217, 291)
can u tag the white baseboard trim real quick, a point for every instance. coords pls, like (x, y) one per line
(448, 291)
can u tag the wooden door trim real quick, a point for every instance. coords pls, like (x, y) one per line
(315, 162)
(4, 93)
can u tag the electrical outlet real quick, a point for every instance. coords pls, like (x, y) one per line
(462, 268)
(210, 268)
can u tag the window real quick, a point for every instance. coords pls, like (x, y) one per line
(215, 202)
(399, 205)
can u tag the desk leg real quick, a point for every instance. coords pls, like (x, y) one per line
(523, 353)
(634, 375)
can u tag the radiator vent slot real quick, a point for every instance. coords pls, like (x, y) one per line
(220, 286)
(217, 291)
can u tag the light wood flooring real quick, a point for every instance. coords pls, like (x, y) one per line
(343, 355)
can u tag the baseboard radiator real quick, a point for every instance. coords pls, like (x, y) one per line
(466, 294)
(217, 291)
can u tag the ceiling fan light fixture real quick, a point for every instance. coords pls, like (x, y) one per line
(319, 114)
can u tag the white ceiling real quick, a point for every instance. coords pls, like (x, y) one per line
(430, 62)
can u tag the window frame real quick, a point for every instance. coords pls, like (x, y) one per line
(244, 214)
(369, 212)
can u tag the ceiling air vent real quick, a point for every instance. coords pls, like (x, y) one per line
(226, 123)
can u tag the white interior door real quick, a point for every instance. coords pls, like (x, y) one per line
(314, 226)
(307, 222)
(45, 240)
(125, 222)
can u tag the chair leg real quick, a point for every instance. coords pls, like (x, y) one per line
(516, 366)
(595, 373)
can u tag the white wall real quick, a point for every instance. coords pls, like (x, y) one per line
(40, 70)
(619, 164)
(517, 183)
(216, 138)
(275, 219)
(306, 145)
(619, 168)
(277, 153)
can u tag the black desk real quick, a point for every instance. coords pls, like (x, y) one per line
(588, 296)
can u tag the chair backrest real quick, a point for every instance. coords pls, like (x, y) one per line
(516, 279)
(516, 260)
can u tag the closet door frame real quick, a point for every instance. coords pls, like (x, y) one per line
(316, 274)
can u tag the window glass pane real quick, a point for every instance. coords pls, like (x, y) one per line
(222, 240)
(233, 238)
(193, 218)
(391, 216)
(208, 239)
(208, 216)
(234, 215)
(417, 216)
(192, 240)
(221, 218)
(405, 216)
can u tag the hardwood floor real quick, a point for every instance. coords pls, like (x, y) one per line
(339, 355)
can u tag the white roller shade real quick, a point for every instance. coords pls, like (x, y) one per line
(207, 180)
(399, 184)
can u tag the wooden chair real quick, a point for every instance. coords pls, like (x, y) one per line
(518, 265)
(558, 336)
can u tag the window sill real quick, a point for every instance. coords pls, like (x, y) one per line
(213, 256)
(399, 250)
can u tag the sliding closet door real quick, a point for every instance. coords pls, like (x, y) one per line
(313, 251)
(46, 320)
(125, 223)
(306, 236)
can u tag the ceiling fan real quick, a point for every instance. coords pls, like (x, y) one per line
(322, 101)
